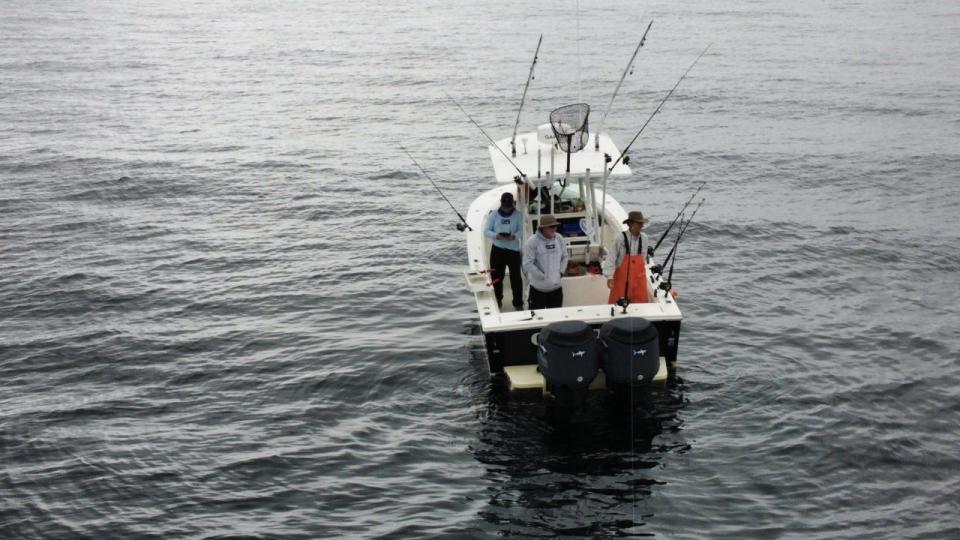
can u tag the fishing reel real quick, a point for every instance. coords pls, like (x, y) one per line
(461, 227)
(668, 291)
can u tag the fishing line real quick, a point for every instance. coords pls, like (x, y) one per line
(579, 76)
(633, 456)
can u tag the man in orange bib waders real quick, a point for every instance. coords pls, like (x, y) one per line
(625, 266)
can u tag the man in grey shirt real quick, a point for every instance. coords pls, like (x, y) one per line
(545, 259)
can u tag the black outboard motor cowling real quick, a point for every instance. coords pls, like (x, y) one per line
(568, 354)
(630, 351)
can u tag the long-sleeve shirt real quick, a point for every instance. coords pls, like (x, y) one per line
(511, 223)
(544, 260)
(615, 256)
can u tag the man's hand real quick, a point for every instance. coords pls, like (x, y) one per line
(610, 283)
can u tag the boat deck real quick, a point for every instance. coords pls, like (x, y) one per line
(528, 377)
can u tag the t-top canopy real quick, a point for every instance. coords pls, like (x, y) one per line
(534, 156)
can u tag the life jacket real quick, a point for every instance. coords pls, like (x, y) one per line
(630, 278)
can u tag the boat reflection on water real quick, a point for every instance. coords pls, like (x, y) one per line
(589, 473)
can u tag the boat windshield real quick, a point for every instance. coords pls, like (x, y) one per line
(567, 196)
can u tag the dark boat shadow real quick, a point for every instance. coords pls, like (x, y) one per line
(571, 467)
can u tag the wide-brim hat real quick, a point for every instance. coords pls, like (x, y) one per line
(548, 221)
(637, 217)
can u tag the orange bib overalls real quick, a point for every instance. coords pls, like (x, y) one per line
(630, 278)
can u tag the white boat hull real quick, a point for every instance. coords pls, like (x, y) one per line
(510, 335)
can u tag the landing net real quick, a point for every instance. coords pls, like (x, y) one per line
(570, 125)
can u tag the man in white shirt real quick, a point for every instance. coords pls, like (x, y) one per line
(625, 263)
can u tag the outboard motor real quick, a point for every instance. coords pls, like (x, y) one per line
(630, 351)
(567, 355)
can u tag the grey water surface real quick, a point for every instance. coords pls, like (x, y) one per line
(230, 306)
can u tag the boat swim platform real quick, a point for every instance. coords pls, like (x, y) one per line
(526, 377)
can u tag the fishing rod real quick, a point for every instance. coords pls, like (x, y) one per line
(668, 284)
(670, 273)
(522, 174)
(683, 229)
(658, 269)
(665, 284)
(680, 213)
(664, 100)
(626, 70)
(513, 139)
(460, 226)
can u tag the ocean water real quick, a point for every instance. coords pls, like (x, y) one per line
(230, 306)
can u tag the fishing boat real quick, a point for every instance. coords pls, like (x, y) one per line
(589, 218)
(595, 339)
(620, 336)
